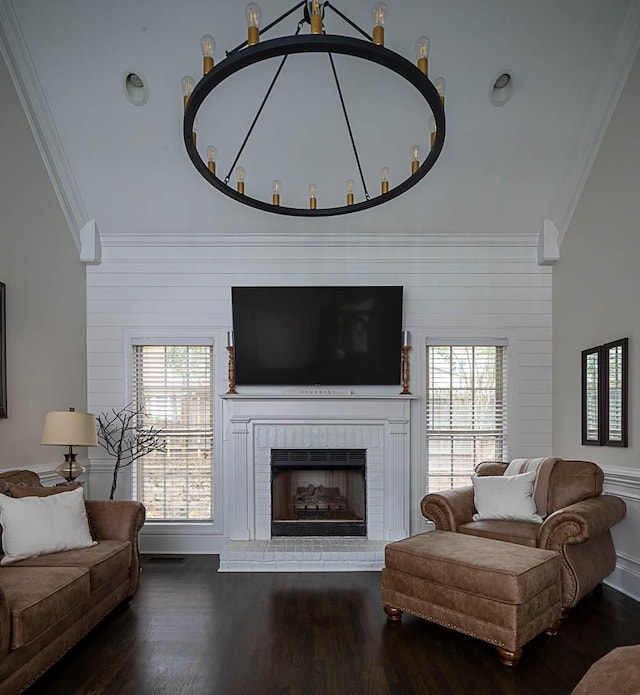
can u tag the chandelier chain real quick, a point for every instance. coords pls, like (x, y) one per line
(261, 107)
(347, 20)
(346, 118)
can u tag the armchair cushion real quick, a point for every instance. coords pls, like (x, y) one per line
(520, 532)
(505, 497)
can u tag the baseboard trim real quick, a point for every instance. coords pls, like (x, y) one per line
(181, 544)
(626, 576)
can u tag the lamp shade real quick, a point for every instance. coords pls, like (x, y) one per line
(68, 428)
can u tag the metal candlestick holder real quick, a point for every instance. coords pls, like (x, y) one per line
(405, 370)
(232, 370)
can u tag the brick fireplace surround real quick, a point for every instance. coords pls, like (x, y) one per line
(256, 424)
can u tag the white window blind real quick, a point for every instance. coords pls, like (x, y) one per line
(466, 411)
(175, 385)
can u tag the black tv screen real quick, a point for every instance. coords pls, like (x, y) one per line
(317, 336)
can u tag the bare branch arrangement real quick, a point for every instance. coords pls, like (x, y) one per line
(119, 432)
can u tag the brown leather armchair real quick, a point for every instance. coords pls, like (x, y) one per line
(577, 525)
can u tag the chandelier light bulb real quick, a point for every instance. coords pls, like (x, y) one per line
(422, 54)
(379, 15)
(439, 84)
(240, 179)
(254, 15)
(275, 198)
(432, 129)
(188, 83)
(384, 176)
(415, 158)
(349, 191)
(313, 203)
(208, 45)
(211, 159)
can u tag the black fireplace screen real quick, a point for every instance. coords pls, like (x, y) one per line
(318, 492)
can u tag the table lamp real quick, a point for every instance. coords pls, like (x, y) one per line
(69, 428)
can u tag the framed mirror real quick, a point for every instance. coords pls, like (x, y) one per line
(615, 376)
(605, 394)
(592, 419)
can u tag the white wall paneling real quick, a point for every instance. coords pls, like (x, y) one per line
(625, 483)
(454, 287)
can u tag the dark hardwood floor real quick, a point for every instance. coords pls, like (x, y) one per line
(191, 630)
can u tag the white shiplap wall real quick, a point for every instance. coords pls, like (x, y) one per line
(179, 287)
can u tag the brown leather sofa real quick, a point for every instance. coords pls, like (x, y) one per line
(48, 603)
(577, 525)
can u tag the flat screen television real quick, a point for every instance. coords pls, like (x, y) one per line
(317, 336)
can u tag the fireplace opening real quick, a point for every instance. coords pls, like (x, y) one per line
(318, 492)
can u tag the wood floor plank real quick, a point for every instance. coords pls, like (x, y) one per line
(193, 631)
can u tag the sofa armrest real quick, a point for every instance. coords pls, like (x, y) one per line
(449, 508)
(115, 520)
(580, 521)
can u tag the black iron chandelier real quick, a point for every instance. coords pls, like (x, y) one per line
(253, 51)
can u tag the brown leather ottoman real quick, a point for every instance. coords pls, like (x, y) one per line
(616, 672)
(499, 592)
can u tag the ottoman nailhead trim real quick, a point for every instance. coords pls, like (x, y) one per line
(443, 624)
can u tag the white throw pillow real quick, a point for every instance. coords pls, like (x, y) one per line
(33, 526)
(505, 497)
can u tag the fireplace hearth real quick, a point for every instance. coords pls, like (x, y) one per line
(318, 492)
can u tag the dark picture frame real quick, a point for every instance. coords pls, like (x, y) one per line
(3, 352)
(592, 420)
(605, 405)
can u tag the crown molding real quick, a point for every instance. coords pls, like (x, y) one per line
(34, 102)
(313, 238)
(605, 100)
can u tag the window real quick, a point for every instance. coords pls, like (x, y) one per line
(174, 383)
(466, 411)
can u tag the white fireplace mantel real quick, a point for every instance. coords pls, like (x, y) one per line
(257, 423)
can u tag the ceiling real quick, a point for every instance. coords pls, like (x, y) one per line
(503, 170)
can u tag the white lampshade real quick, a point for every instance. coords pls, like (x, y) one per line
(68, 428)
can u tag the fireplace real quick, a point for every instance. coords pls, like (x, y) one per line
(378, 425)
(318, 492)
